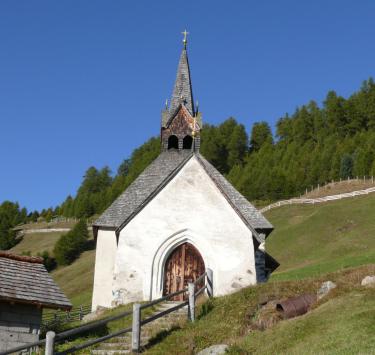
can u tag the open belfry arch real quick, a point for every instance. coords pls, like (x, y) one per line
(179, 217)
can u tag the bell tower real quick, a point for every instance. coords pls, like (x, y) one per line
(180, 120)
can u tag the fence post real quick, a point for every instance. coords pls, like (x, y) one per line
(50, 343)
(136, 328)
(210, 288)
(191, 290)
(80, 312)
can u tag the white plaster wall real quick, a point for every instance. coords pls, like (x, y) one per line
(106, 246)
(190, 208)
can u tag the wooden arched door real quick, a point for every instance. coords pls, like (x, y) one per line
(184, 265)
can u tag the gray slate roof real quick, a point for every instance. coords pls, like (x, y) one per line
(182, 86)
(157, 175)
(147, 184)
(248, 212)
(25, 280)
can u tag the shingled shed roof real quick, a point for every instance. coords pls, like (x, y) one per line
(24, 279)
(158, 174)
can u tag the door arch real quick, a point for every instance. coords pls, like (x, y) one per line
(185, 264)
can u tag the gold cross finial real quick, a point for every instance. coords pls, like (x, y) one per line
(184, 41)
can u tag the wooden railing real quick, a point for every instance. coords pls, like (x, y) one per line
(52, 338)
(56, 338)
(52, 320)
(192, 293)
(317, 200)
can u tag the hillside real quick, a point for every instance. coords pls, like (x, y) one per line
(313, 239)
(339, 187)
(37, 242)
(340, 323)
(307, 240)
(76, 280)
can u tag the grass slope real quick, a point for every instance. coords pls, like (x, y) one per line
(76, 280)
(310, 240)
(47, 225)
(342, 322)
(343, 325)
(37, 242)
(333, 188)
(340, 187)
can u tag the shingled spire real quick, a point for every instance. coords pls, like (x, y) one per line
(182, 91)
(181, 122)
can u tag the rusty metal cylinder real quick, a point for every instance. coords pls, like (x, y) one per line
(296, 306)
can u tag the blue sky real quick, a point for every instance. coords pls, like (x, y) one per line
(82, 82)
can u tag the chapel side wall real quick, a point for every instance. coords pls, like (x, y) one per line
(106, 247)
(189, 208)
(19, 324)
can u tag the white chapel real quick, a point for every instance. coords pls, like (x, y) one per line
(178, 218)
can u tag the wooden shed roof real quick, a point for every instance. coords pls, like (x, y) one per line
(24, 279)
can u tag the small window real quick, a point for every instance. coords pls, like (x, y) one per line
(172, 142)
(187, 142)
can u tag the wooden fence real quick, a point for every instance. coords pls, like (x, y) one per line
(317, 200)
(55, 319)
(137, 322)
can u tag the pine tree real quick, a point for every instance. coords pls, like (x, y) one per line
(260, 134)
(346, 168)
(71, 245)
(10, 216)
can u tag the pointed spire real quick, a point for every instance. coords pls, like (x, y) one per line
(182, 92)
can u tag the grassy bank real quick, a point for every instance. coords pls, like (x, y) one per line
(309, 240)
(343, 322)
(37, 242)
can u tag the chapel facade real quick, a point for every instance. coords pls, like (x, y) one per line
(178, 218)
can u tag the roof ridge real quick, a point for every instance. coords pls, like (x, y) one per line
(204, 162)
(25, 258)
(163, 183)
(126, 189)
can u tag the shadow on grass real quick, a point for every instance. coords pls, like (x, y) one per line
(206, 308)
(90, 245)
(160, 336)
